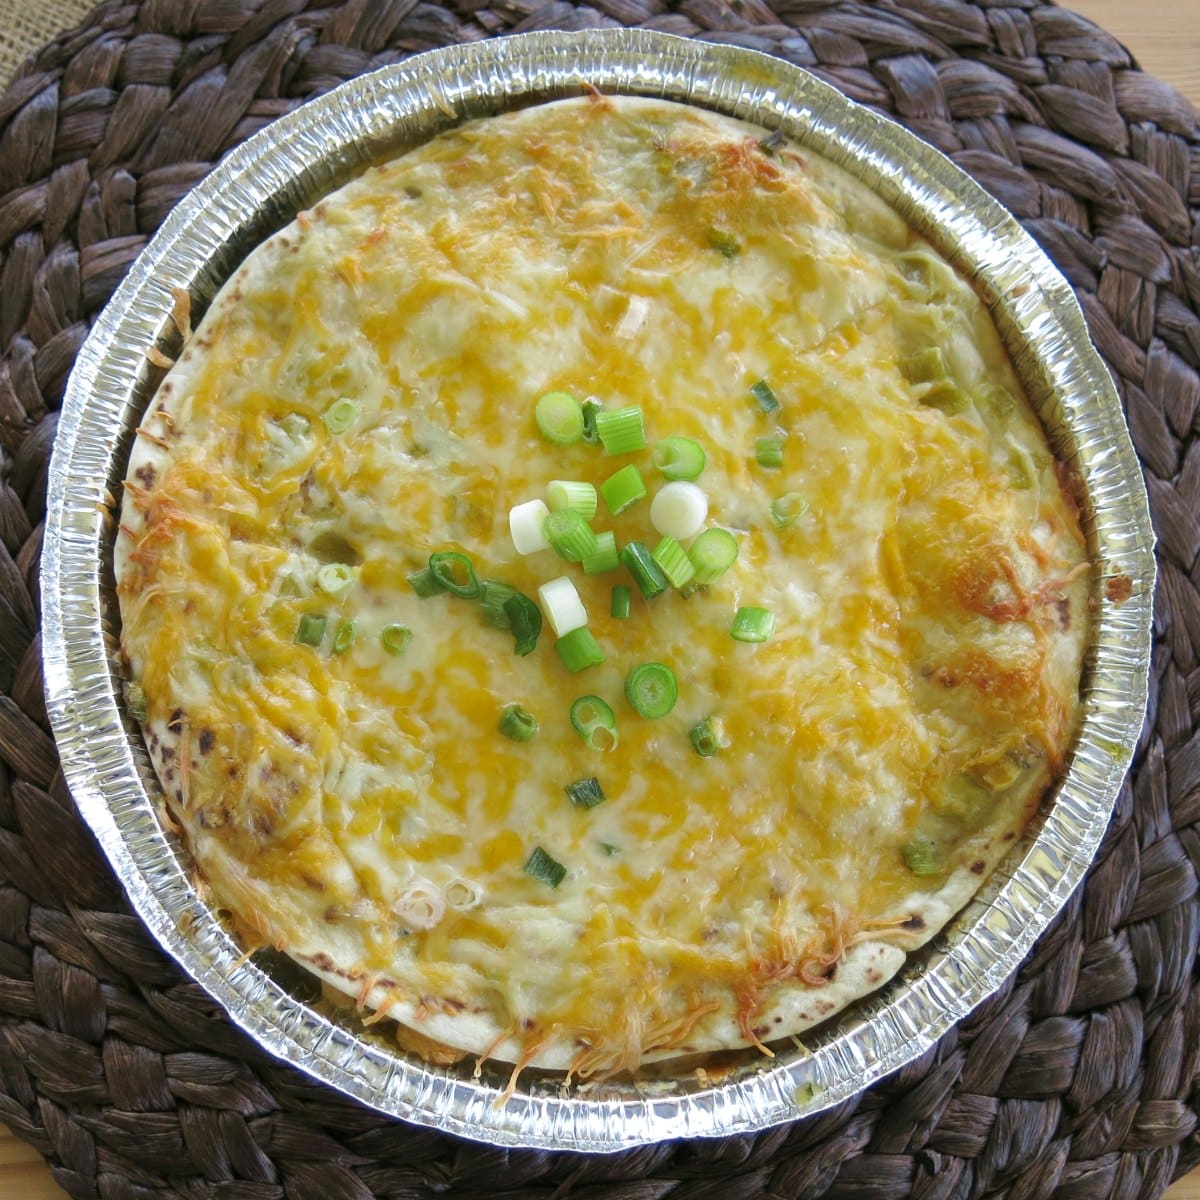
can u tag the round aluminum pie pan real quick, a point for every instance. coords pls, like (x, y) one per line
(302, 156)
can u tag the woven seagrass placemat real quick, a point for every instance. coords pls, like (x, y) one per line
(1078, 1079)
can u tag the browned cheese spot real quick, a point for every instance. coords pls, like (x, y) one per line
(1118, 589)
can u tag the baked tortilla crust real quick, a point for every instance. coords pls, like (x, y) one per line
(967, 655)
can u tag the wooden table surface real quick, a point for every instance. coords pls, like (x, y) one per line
(1164, 36)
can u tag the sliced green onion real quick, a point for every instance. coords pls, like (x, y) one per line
(540, 866)
(926, 366)
(772, 142)
(712, 554)
(651, 689)
(493, 595)
(768, 452)
(998, 399)
(673, 561)
(767, 400)
(620, 429)
(1020, 474)
(455, 573)
(295, 425)
(604, 557)
(946, 396)
(706, 737)
(920, 856)
(573, 494)
(343, 639)
(622, 489)
(135, 697)
(679, 508)
(310, 630)
(645, 571)
(340, 415)
(594, 720)
(724, 243)
(569, 535)
(425, 583)
(335, 578)
(559, 418)
(609, 849)
(679, 457)
(561, 603)
(621, 597)
(517, 723)
(395, 638)
(922, 268)
(579, 650)
(788, 508)
(585, 793)
(591, 407)
(525, 621)
(525, 526)
(751, 624)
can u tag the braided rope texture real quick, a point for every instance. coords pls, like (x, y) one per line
(1078, 1079)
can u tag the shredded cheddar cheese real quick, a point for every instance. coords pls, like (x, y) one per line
(359, 807)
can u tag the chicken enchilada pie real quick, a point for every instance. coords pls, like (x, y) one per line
(595, 590)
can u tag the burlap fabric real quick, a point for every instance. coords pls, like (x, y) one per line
(1078, 1079)
(25, 25)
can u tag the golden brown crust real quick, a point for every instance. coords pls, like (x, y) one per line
(358, 810)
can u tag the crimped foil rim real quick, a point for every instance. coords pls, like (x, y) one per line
(310, 151)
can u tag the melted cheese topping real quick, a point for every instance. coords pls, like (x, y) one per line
(361, 808)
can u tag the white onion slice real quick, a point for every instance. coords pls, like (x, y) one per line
(562, 606)
(463, 893)
(525, 523)
(422, 906)
(633, 318)
(679, 509)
